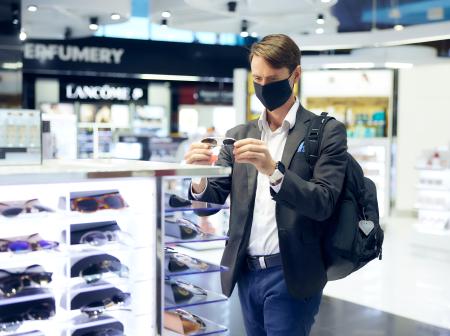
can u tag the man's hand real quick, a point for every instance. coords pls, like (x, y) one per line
(199, 153)
(255, 152)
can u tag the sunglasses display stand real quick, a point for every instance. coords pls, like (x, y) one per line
(102, 260)
(181, 295)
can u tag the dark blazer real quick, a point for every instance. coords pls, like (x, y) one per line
(304, 201)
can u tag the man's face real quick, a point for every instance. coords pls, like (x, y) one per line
(263, 73)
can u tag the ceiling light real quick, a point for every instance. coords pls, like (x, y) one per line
(12, 65)
(164, 23)
(352, 65)
(398, 65)
(326, 1)
(319, 31)
(22, 35)
(15, 21)
(93, 25)
(244, 28)
(32, 8)
(320, 19)
(115, 16)
(166, 14)
(398, 27)
(254, 34)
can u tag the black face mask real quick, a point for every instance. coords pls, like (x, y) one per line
(275, 94)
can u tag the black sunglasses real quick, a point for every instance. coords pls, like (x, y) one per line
(218, 141)
(96, 308)
(93, 272)
(13, 282)
(105, 332)
(42, 310)
(12, 209)
(188, 229)
(183, 291)
(179, 262)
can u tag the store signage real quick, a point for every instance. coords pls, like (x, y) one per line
(103, 93)
(214, 97)
(72, 53)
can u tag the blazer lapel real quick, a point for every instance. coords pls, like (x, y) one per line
(252, 173)
(296, 136)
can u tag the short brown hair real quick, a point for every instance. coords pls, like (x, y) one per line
(278, 50)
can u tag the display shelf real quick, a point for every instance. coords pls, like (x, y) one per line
(199, 239)
(424, 187)
(196, 300)
(195, 206)
(26, 295)
(211, 328)
(429, 168)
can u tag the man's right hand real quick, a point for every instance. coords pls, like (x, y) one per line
(199, 153)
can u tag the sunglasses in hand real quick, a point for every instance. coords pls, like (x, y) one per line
(183, 322)
(218, 141)
(15, 208)
(93, 272)
(94, 203)
(26, 244)
(13, 282)
(96, 308)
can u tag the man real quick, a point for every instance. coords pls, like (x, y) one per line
(278, 205)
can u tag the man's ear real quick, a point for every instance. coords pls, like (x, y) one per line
(297, 73)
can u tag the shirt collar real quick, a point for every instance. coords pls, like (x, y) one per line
(289, 120)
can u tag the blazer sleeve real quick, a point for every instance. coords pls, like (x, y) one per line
(317, 197)
(218, 189)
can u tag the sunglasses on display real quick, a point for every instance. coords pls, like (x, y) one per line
(105, 332)
(93, 272)
(13, 282)
(181, 321)
(176, 201)
(15, 208)
(26, 244)
(188, 229)
(183, 291)
(180, 262)
(37, 311)
(96, 308)
(94, 203)
(100, 238)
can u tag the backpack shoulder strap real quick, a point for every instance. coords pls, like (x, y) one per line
(314, 136)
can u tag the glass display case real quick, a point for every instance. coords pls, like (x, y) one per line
(82, 249)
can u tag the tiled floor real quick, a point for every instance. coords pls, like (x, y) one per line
(405, 294)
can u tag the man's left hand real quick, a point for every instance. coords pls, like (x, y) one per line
(255, 152)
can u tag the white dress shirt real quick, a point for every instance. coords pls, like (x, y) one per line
(264, 232)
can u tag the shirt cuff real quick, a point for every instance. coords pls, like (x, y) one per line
(198, 196)
(277, 187)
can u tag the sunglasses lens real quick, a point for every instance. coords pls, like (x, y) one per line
(10, 285)
(229, 142)
(92, 273)
(19, 246)
(87, 205)
(114, 201)
(210, 141)
(11, 212)
(96, 238)
(46, 244)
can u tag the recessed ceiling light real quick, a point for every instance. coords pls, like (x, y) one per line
(166, 14)
(326, 1)
(398, 27)
(244, 34)
(32, 8)
(319, 31)
(93, 25)
(22, 35)
(254, 34)
(115, 16)
(320, 19)
(12, 65)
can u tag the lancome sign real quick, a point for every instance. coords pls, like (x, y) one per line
(72, 53)
(105, 92)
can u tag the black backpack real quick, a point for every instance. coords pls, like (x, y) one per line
(353, 235)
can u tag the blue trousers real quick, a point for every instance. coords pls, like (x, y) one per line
(269, 309)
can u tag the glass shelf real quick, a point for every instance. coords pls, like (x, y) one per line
(196, 205)
(198, 239)
(196, 300)
(199, 267)
(211, 329)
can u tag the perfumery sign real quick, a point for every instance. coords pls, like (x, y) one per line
(90, 92)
